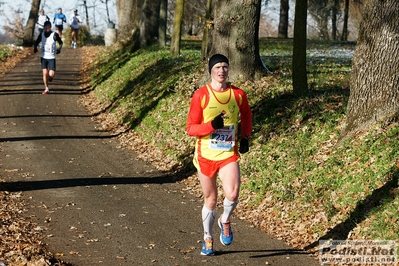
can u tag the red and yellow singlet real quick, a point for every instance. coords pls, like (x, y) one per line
(206, 104)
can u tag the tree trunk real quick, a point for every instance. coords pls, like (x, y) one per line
(127, 19)
(107, 10)
(320, 11)
(138, 22)
(30, 24)
(299, 72)
(87, 15)
(235, 34)
(345, 33)
(149, 22)
(284, 16)
(205, 47)
(334, 19)
(163, 18)
(374, 94)
(177, 24)
(323, 28)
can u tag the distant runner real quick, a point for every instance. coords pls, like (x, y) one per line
(59, 20)
(41, 18)
(74, 22)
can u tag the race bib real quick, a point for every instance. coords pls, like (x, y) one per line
(48, 47)
(222, 139)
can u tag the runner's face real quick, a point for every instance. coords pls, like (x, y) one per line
(47, 28)
(220, 71)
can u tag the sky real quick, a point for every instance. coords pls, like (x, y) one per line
(96, 10)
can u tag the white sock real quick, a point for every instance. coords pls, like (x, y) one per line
(208, 219)
(228, 208)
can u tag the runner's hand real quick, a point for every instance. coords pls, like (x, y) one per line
(35, 50)
(217, 122)
(58, 51)
(244, 146)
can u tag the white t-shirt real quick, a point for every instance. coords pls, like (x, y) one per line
(75, 21)
(41, 19)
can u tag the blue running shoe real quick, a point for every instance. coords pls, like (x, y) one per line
(207, 247)
(226, 235)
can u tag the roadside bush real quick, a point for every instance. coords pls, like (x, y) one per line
(83, 37)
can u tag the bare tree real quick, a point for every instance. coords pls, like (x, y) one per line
(86, 8)
(284, 17)
(176, 35)
(193, 20)
(163, 19)
(374, 94)
(299, 73)
(138, 22)
(345, 33)
(149, 22)
(128, 11)
(1, 10)
(320, 10)
(234, 33)
(194, 17)
(15, 27)
(334, 19)
(30, 24)
(205, 46)
(107, 10)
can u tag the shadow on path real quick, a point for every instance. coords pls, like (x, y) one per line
(81, 182)
(271, 252)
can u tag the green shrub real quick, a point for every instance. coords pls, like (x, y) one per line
(83, 36)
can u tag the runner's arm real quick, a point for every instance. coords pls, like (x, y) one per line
(195, 125)
(246, 116)
(58, 39)
(38, 40)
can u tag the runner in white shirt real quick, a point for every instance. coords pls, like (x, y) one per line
(48, 40)
(41, 18)
(74, 22)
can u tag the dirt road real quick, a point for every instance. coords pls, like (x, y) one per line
(96, 202)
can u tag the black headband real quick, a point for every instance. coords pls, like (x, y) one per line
(217, 58)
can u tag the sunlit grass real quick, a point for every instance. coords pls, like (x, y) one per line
(5, 51)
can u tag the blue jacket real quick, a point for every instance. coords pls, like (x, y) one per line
(59, 19)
